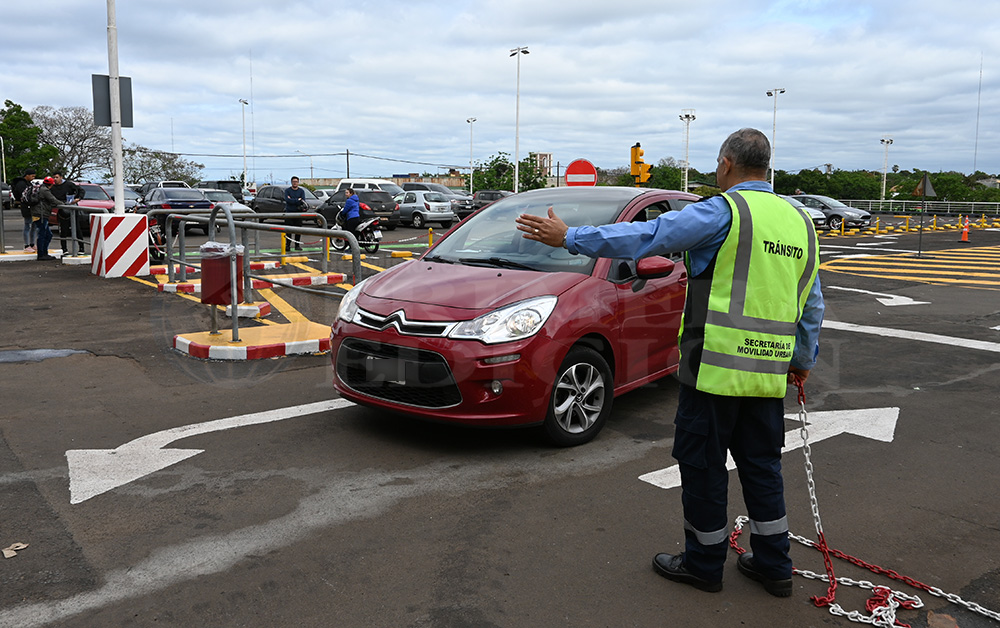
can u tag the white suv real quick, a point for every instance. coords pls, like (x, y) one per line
(370, 184)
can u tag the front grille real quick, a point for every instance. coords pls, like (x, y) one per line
(405, 327)
(413, 377)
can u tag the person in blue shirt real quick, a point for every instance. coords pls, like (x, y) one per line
(295, 201)
(351, 213)
(708, 425)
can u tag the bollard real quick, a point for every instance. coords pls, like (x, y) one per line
(934, 223)
(430, 236)
(878, 221)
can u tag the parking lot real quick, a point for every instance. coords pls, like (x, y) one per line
(154, 487)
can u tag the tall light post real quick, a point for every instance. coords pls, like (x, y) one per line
(886, 141)
(774, 124)
(517, 52)
(687, 116)
(310, 162)
(244, 104)
(471, 170)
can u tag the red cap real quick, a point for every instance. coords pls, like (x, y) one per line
(49, 181)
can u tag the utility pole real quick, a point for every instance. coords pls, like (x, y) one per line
(774, 124)
(886, 141)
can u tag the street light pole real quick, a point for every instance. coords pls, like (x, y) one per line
(471, 170)
(517, 52)
(687, 116)
(887, 141)
(774, 124)
(244, 102)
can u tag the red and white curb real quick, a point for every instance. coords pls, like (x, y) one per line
(162, 270)
(250, 310)
(26, 256)
(194, 287)
(259, 352)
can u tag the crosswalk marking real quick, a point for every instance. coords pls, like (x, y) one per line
(974, 268)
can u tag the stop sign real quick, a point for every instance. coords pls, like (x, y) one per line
(581, 172)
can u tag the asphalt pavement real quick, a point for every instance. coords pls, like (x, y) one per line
(247, 494)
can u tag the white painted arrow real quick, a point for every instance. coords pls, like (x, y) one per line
(873, 423)
(885, 299)
(95, 471)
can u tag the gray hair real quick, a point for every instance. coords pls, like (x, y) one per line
(748, 149)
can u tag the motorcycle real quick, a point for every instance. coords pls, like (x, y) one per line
(368, 233)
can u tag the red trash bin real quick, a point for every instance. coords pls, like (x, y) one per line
(215, 273)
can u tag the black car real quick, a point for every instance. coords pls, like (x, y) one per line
(181, 200)
(482, 198)
(373, 203)
(270, 199)
(461, 204)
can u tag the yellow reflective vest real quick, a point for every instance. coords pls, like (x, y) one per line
(741, 314)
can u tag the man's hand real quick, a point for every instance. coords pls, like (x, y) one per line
(794, 372)
(551, 230)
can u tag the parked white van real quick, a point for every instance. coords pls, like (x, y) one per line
(370, 184)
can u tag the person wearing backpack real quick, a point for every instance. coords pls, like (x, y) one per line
(18, 187)
(68, 193)
(40, 213)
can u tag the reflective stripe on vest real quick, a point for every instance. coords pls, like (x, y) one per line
(760, 281)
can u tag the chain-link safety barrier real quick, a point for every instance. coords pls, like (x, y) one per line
(883, 604)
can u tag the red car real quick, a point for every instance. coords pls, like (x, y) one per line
(93, 196)
(489, 328)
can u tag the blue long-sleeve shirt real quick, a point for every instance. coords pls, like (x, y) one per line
(352, 207)
(700, 229)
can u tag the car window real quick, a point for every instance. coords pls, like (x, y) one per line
(182, 194)
(377, 196)
(410, 198)
(435, 197)
(492, 232)
(389, 188)
(308, 192)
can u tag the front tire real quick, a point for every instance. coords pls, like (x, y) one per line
(581, 398)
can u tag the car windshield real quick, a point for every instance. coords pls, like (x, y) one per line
(390, 188)
(490, 238)
(94, 193)
(220, 196)
(183, 194)
(434, 197)
(832, 202)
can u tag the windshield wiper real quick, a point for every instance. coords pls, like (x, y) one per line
(496, 261)
(438, 258)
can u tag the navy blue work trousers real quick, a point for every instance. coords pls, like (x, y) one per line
(752, 429)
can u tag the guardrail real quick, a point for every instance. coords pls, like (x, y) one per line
(928, 207)
(212, 222)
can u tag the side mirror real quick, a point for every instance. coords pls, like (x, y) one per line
(651, 268)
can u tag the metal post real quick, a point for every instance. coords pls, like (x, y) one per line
(3, 178)
(687, 116)
(887, 141)
(471, 169)
(517, 52)
(243, 109)
(774, 124)
(116, 110)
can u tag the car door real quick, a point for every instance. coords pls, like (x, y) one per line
(650, 316)
(408, 204)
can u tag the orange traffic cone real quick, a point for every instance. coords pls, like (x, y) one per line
(965, 231)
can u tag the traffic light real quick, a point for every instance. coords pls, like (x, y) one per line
(635, 160)
(644, 172)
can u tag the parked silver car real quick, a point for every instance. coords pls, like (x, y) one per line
(418, 207)
(818, 217)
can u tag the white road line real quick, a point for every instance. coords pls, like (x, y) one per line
(951, 341)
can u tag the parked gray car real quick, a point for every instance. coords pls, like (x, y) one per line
(835, 211)
(418, 207)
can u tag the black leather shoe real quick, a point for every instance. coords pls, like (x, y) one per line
(46, 258)
(672, 567)
(777, 588)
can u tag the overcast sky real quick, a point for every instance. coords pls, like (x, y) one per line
(398, 79)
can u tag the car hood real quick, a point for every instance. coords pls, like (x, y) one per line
(431, 290)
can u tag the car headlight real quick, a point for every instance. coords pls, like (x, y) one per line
(507, 324)
(349, 304)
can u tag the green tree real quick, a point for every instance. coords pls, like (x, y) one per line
(22, 149)
(497, 173)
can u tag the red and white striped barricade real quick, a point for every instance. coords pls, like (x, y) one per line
(119, 245)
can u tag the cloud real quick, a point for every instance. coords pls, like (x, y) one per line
(398, 79)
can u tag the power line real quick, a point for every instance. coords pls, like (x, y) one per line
(299, 155)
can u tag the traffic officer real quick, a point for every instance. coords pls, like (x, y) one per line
(751, 322)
